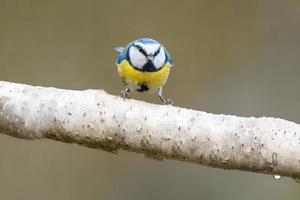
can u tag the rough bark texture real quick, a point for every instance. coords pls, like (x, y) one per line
(98, 120)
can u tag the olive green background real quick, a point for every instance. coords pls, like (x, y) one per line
(231, 57)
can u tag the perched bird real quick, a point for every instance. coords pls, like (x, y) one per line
(144, 66)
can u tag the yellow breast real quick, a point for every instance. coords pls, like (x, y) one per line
(130, 76)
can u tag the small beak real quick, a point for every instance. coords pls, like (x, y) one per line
(150, 57)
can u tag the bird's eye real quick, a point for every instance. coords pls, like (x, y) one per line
(139, 48)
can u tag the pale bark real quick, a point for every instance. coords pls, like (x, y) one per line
(98, 120)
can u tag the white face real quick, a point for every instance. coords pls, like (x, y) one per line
(140, 54)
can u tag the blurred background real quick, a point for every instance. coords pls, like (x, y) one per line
(231, 57)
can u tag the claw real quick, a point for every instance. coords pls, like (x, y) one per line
(169, 102)
(125, 93)
(163, 99)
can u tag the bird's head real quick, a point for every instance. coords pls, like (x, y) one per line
(147, 55)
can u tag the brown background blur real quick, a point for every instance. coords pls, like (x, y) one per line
(231, 57)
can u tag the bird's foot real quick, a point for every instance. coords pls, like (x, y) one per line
(125, 94)
(169, 102)
(163, 99)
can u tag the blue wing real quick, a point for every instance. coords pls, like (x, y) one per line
(168, 57)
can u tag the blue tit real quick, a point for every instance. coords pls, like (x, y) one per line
(144, 66)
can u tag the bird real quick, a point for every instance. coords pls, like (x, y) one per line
(144, 66)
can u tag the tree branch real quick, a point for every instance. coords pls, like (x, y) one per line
(98, 120)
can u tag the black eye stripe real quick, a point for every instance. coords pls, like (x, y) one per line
(157, 52)
(144, 52)
(141, 50)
